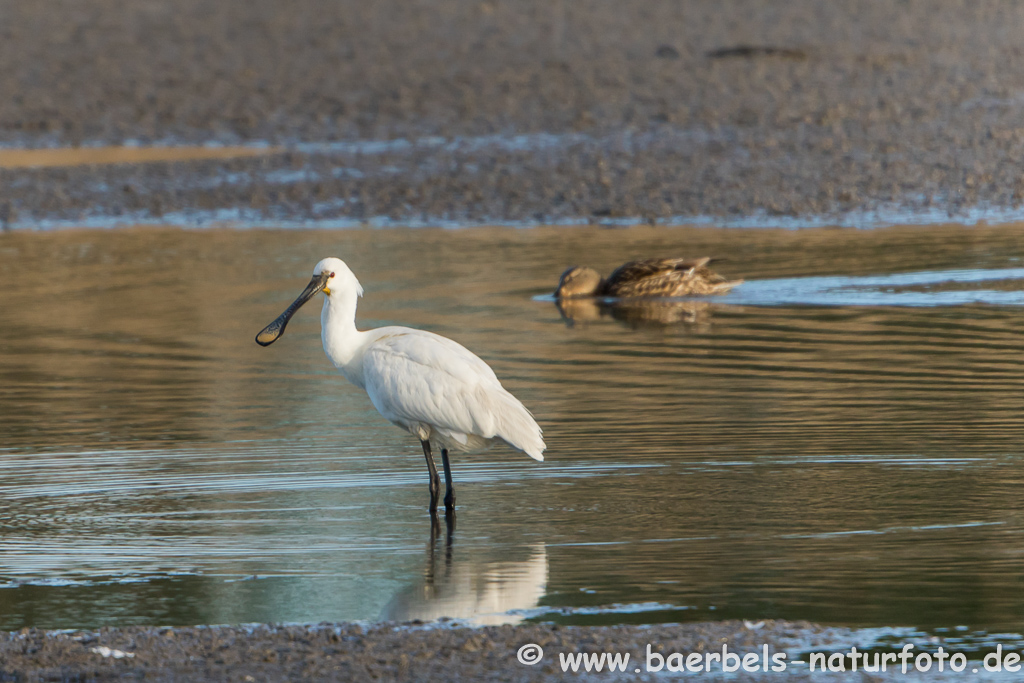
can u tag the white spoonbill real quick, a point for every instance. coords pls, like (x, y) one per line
(430, 386)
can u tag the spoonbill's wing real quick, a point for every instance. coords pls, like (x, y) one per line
(416, 377)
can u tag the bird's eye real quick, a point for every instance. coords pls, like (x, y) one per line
(332, 274)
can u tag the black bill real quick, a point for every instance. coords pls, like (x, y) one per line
(269, 334)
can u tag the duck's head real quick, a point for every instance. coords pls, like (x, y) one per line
(578, 281)
(330, 276)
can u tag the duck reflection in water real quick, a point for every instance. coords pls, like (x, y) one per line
(475, 590)
(634, 313)
(640, 292)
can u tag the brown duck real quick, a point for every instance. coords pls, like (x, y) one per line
(657, 277)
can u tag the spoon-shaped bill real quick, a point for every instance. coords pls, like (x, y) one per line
(269, 334)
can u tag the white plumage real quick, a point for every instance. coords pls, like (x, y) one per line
(429, 385)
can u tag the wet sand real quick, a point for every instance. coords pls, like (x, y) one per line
(516, 112)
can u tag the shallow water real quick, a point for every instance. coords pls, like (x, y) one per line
(837, 440)
(82, 156)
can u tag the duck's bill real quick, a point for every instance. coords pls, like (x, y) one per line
(270, 334)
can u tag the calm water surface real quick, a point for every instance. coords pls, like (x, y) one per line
(840, 440)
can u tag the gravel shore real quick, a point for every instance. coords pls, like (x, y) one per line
(407, 652)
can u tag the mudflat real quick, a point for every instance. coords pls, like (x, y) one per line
(473, 112)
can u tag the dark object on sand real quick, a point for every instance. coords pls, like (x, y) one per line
(751, 51)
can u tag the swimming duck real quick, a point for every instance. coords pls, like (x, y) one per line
(657, 277)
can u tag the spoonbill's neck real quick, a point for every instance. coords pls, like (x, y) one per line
(343, 343)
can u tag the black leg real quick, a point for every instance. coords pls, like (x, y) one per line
(435, 481)
(449, 496)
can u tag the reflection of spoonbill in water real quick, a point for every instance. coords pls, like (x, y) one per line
(480, 591)
(429, 385)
